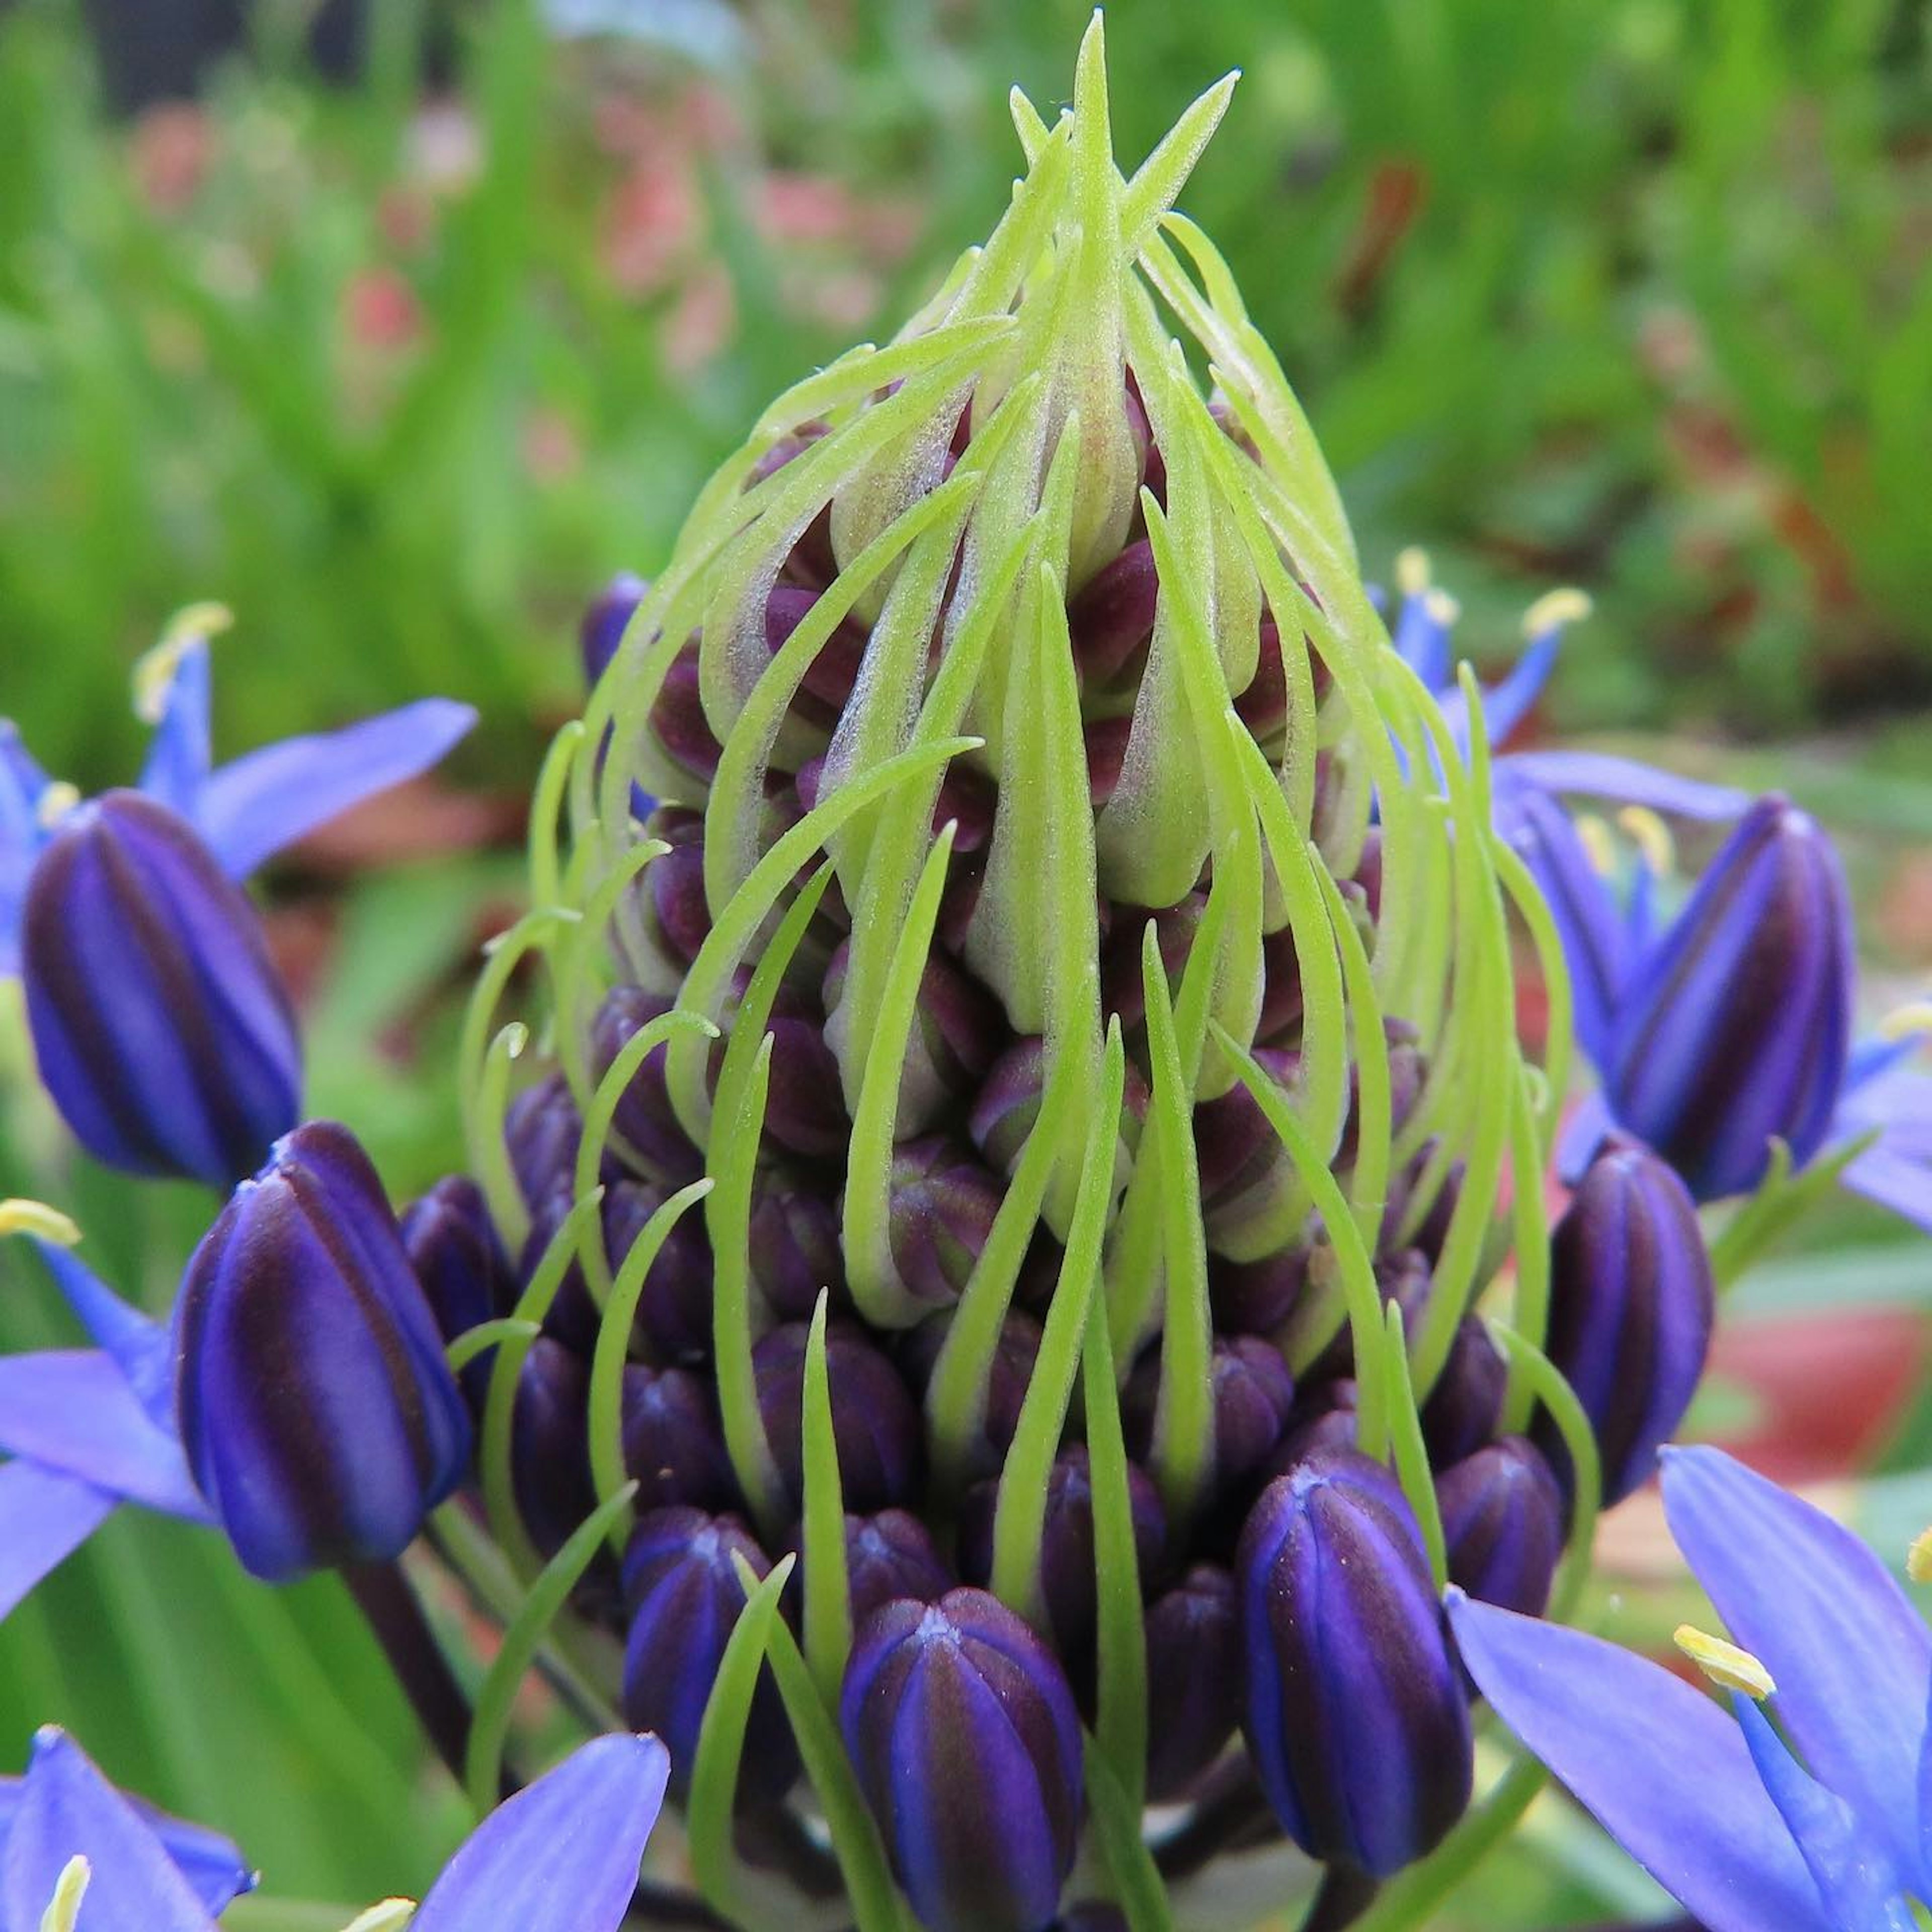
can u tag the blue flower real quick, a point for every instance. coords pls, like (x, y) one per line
(1719, 1030)
(245, 810)
(88, 1429)
(1825, 1833)
(561, 1856)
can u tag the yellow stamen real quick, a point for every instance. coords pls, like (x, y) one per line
(35, 1217)
(154, 671)
(1555, 608)
(1443, 609)
(1908, 1021)
(1723, 1664)
(391, 1915)
(1652, 838)
(1412, 575)
(56, 802)
(63, 1911)
(1919, 1557)
(1597, 843)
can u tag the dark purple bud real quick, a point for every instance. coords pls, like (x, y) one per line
(1355, 1718)
(1122, 991)
(796, 1250)
(1323, 1419)
(320, 1419)
(673, 1442)
(1112, 616)
(1068, 1581)
(1263, 706)
(550, 1444)
(968, 800)
(601, 628)
(1736, 1025)
(1630, 1305)
(1503, 1513)
(541, 1129)
(1194, 1678)
(942, 1210)
(1432, 1230)
(678, 721)
(875, 1421)
(831, 675)
(160, 1027)
(1464, 1410)
(891, 1555)
(458, 1256)
(645, 1117)
(1008, 1103)
(682, 1592)
(1243, 1166)
(1106, 740)
(680, 915)
(1008, 1378)
(805, 1104)
(1279, 1022)
(962, 1730)
(1369, 872)
(1255, 1298)
(1253, 1394)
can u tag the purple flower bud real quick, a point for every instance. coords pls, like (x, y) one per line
(891, 1555)
(1279, 1022)
(943, 1205)
(319, 1418)
(964, 1735)
(1355, 1716)
(682, 1590)
(831, 675)
(874, 1420)
(1194, 1678)
(1242, 1164)
(550, 1444)
(1631, 1305)
(541, 1129)
(457, 1256)
(678, 721)
(1255, 1298)
(161, 1030)
(645, 1117)
(1112, 616)
(1737, 1023)
(1068, 1581)
(601, 628)
(805, 1104)
(679, 914)
(1008, 1378)
(673, 1442)
(1502, 1518)
(1465, 1409)
(1008, 1103)
(1253, 1394)
(1323, 1419)
(1123, 990)
(796, 1250)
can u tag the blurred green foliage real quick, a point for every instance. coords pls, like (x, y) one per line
(1633, 292)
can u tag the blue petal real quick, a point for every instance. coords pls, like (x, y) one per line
(44, 1518)
(179, 755)
(1893, 1181)
(139, 1344)
(1628, 782)
(69, 1811)
(1659, 1765)
(1852, 1870)
(1506, 705)
(22, 835)
(265, 800)
(1851, 1657)
(561, 1855)
(212, 1865)
(1421, 640)
(72, 1410)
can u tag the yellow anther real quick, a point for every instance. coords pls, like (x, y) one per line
(1652, 837)
(1723, 1664)
(1908, 1021)
(63, 1910)
(1412, 575)
(35, 1217)
(1597, 843)
(1442, 608)
(1919, 1557)
(391, 1915)
(56, 802)
(154, 670)
(1555, 608)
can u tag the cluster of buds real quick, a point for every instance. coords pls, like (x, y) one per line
(982, 1274)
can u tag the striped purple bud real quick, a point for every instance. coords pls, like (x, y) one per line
(963, 1731)
(160, 1028)
(645, 1120)
(1009, 1376)
(1255, 1298)
(891, 1555)
(1464, 1408)
(550, 1444)
(673, 1442)
(1253, 1394)
(682, 1590)
(458, 1256)
(541, 1128)
(601, 629)
(1503, 1514)
(943, 1205)
(319, 1418)
(1736, 1025)
(1194, 1678)
(795, 1250)
(1631, 1305)
(875, 1422)
(1355, 1715)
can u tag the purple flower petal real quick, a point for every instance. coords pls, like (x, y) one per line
(179, 754)
(44, 1518)
(71, 1410)
(561, 1856)
(139, 1344)
(1659, 1765)
(22, 835)
(1851, 1657)
(1628, 782)
(1506, 704)
(70, 1810)
(266, 800)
